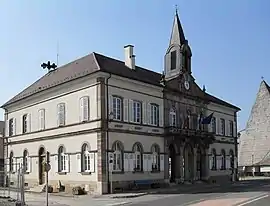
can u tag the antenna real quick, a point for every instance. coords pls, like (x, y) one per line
(57, 55)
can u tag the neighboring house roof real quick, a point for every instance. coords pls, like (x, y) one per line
(90, 64)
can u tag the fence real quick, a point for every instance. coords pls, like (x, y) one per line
(12, 185)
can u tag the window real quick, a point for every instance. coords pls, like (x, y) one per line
(231, 128)
(62, 160)
(11, 162)
(11, 125)
(84, 109)
(41, 118)
(86, 162)
(222, 126)
(117, 156)
(214, 159)
(172, 118)
(117, 108)
(173, 60)
(223, 160)
(231, 159)
(61, 114)
(154, 114)
(213, 125)
(137, 111)
(137, 149)
(25, 161)
(155, 158)
(26, 123)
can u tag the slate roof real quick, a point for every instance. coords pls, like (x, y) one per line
(90, 64)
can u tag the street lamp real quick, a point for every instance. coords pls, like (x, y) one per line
(110, 159)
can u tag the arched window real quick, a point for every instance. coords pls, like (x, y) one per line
(86, 162)
(155, 158)
(11, 162)
(172, 117)
(223, 159)
(117, 156)
(214, 159)
(231, 159)
(62, 160)
(137, 149)
(25, 161)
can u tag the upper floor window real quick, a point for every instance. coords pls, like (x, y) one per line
(173, 60)
(137, 111)
(213, 125)
(154, 114)
(231, 128)
(11, 126)
(172, 118)
(26, 123)
(61, 114)
(222, 126)
(84, 109)
(117, 108)
(41, 119)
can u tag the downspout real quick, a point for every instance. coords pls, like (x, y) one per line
(6, 156)
(107, 132)
(236, 148)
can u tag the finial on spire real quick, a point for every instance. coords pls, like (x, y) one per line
(204, 89)
(176, 9)
(262, 78)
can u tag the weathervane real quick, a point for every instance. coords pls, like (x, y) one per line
(49, 66)
(176, 9)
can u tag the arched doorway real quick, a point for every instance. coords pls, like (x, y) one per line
(41, 165)
(172, 163)
(188, 162)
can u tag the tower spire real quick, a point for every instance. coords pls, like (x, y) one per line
(177, 35)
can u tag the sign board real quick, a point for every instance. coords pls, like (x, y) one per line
(47, 167)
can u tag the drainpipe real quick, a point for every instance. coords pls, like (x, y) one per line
(236, 148)
(107, 132)
(6, 144)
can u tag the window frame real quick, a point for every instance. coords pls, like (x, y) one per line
(41, 119)
(118, 156)
(137, 111)
(11, 127)
(25, 123)
(62, 160)
(138, 157)
(154, 114)
(117, 112)
(155, 151)
(86, 158)
(172, 117)
(173, 60)
(214, 125)
(223, 160)
(222, 126)
(61, 114)
(214, 159)
(231, 128)
(84, 108)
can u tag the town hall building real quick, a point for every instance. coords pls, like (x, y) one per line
(155, 127)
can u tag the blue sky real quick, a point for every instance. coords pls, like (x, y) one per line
(230, 40)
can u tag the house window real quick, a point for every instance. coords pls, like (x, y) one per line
(154, 114)
(41, 118)
(86, 158)
(231, 128)
(172, 118)
(61, 114)
(117, 156)
(84, 109)
(231, 159)
(117, 108)
(214, 159)
(213, 125)
(62, 160)
(25, 161)
(137, 149)
(11, 124)
(173, 60)
(223, 160)
(137, 111)
(222, 122)
(155, 158)
(11, 162)
(25, 123)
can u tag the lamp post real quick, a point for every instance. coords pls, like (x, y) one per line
(110, 159)
(236, 155)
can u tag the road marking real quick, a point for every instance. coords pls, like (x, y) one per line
(253, 200)
(203, 199)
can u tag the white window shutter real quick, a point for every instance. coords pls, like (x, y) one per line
(228, 163)
(126, 112)
(145, 158)
(144, 110)
(234, 129)
(79, 162)
(126, 162)
(92, 162)
(162, 162)
(7, 165)
(67, 169)
(85, 108)
(219, 162)
(14, 165)
(81, 109)
(28, 122)
(14, 126)
(210, 162)
(61, 114)
(110, 105)
(56, 163)
(110, 154)
(41, 119)
(160, 108)
(149, 162)
(149, 113)
(131, 110)
(131, 162)
(29, 164)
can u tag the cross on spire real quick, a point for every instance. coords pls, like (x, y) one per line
(262, 78)
(176, 9)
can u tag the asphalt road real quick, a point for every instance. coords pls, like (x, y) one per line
(244, 193)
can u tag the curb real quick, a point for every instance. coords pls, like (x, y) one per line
(129, 196)
(118, 204)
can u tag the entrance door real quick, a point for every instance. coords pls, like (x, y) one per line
(172, 156)
(41, 165)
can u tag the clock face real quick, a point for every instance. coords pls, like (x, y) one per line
(186, 84)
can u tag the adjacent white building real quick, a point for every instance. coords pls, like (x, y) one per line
(97, 107)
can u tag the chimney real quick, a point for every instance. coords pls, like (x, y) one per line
(129, 56)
